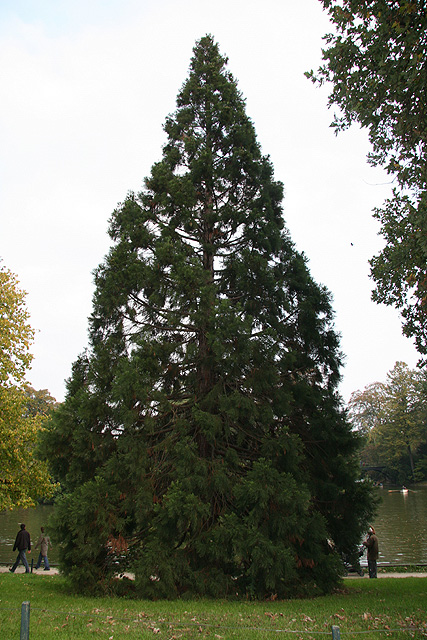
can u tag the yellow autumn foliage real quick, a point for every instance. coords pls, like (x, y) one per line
(23, 478)
(16, 334)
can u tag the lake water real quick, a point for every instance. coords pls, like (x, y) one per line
(10, 522)
(401, 527)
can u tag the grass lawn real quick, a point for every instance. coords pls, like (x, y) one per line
(365, 609)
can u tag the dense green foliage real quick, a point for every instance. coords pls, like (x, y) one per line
(376, 62)
(392, 416)
(202, 443)
(388, 608)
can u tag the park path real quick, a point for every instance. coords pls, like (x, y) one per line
(4, 568)
(415, 574)
(54, 571)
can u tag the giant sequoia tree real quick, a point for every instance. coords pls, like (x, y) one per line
(202, 443)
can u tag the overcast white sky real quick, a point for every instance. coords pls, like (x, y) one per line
(85, 89)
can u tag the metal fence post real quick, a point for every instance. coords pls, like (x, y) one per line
(25, 621)
(335, 633)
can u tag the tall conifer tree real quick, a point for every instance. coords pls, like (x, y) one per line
(202, 444)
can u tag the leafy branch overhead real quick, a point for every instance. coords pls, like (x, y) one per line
(376, 62)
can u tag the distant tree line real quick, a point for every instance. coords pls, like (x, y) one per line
(392, 418)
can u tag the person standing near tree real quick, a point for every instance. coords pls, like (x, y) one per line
(22, 543)
(371, 543)
(43, 542)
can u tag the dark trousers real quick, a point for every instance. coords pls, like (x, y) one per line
(22, 558)
(372, 566)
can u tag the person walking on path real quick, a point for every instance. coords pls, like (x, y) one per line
(371, 543)
(23, 544)
(43, 542)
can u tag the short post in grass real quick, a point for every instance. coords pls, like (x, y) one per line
(335, 633)
(25, 621)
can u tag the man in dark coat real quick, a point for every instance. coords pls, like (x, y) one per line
(23, 544)
(371, 543)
